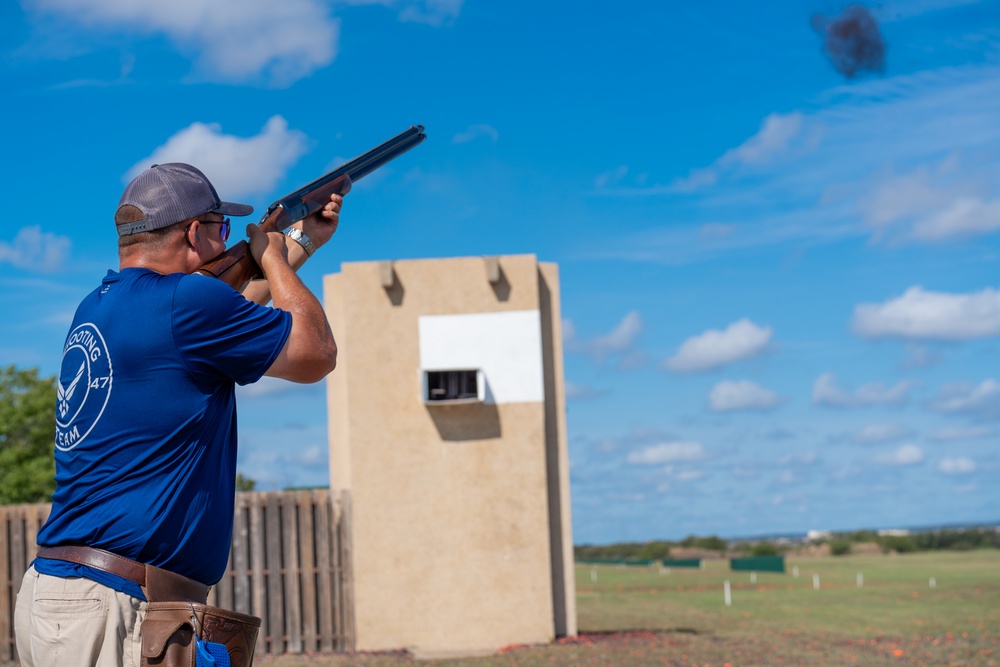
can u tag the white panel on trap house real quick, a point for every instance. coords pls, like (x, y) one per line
(502, 350)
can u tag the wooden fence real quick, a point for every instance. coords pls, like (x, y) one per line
(290, 564)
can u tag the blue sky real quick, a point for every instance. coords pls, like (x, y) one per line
(780, 297)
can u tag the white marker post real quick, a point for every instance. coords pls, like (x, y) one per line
(861, 580)
(728, 596)
(795, 571)
(932, 582)
(593, 574)
(753, 577)
(815, 582)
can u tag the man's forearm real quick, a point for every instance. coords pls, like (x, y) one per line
(310, 348)
(259, 291)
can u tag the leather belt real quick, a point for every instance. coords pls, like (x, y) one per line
(158, 584)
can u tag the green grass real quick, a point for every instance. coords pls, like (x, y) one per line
(895, 600)
(636, 616)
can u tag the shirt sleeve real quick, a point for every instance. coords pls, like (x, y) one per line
(221, 335)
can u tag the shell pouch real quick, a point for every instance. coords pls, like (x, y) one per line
(189, 634)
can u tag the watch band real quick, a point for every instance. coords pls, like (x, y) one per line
(296, 235)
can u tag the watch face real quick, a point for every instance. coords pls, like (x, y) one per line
(302, 239)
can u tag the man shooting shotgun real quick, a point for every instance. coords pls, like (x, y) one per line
(236, 265)
(145, 445)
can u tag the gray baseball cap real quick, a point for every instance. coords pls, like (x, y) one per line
(171, 193)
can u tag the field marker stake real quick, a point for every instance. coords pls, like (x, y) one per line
(795, 571)
(593, 574)
(861, 580)
(753, 577)
(815, 582)
(932, 582)
(729, 598)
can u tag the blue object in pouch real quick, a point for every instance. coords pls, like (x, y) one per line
(211, 654)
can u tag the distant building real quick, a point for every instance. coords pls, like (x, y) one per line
(893, 532)
(447, 428)
(818, 535)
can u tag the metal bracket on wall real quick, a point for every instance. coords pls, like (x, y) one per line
(386, 274)
(492, 269)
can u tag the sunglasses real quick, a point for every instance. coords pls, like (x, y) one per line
(223, 230)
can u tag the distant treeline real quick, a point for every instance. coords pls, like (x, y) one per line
(840, 544)
(656, 550)
(956, 539)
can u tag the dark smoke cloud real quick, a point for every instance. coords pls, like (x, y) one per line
(852, 41)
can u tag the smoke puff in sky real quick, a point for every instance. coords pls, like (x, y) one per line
(852, 41)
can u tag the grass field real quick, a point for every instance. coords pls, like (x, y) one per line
(640, 616)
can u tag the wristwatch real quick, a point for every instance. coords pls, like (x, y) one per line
(296, 235)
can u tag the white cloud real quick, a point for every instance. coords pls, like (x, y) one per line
(237, 166)
(667, 452)
(695, 180)
(799, 459)
(731, 395)
(919, 355)
(962, 433)
(813, 197)
(977, 400)
(233, 40)
(611, 178)
(962, 217)
(474, 132)
(877, 433)
(430, 12)
(582, 392)
(931, 315)
(36, 250)
(956, 466)
(902, 10)
(772, 140)
(826, 392)
(267, 387)
(713, 349)
(904, 455)
(619, 341)
(932, 206)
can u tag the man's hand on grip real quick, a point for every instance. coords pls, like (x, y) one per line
(266, 247)
(321, 225)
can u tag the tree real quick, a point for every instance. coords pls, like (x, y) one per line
(840, 547)
(27, 436)
(764, 549)
(244, 483)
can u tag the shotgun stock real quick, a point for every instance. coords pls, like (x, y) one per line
(236, 266)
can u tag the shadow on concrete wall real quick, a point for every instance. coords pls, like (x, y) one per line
(472, 421)
(395, 291)
(502, 286)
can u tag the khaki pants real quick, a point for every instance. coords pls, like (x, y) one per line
(76, 623)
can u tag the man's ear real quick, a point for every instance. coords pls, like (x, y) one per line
(187, 230)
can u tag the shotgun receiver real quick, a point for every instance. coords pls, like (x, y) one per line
(236, 266)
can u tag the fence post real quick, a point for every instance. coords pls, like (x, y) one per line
(6, 599)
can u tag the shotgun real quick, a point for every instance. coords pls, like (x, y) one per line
(236, 266)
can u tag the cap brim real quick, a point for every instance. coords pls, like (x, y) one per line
(229, 208)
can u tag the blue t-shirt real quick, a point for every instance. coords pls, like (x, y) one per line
(146, 421)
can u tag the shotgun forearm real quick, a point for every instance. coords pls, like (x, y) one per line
(236, 266)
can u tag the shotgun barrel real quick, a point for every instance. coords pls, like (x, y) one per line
(236, 266)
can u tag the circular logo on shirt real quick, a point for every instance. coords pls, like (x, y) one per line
(84, 385)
